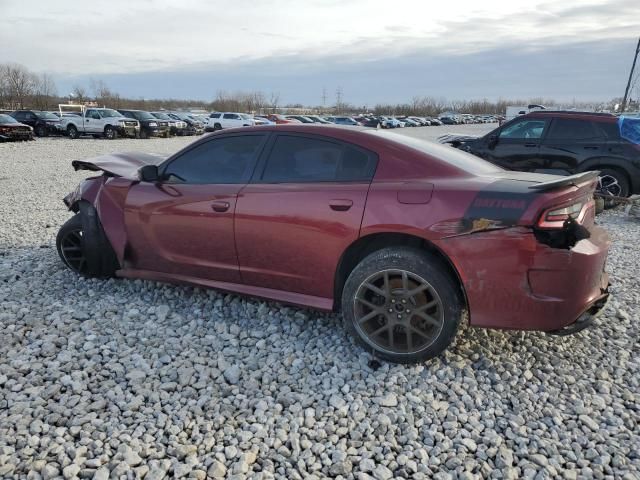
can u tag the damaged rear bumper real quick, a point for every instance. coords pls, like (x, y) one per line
(514, 281)
(586, 319)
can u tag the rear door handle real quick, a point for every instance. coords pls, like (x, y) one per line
(530, 145)
(220, 206)
(591, 147)
(340, 205)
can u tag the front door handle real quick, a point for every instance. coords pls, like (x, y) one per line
(220, 206)
(340, 205)
(591, 147)
(530, 145)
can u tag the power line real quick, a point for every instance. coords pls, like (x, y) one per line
(633, 67)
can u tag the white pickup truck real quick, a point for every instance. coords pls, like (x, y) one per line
(220, 120)
(98, 122)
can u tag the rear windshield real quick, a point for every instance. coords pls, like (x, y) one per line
(461, 160)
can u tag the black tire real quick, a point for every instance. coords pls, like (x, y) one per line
(423, 270)
(40, 131)
(110, 132)
(143, 134)
(613, 182)
(72, 132)
(217, 126)
(84, 247)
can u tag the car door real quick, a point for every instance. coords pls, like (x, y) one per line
(183, 224)
(517, 145)
(92, 121)
(302, 209)
(231, 120)
(569, 142)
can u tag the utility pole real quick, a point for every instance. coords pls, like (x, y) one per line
(633, 67)
(324, 96)
(339, 99)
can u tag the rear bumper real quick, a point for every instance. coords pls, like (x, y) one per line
(585, 320)
(513, 281)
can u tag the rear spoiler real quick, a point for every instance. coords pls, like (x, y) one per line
(565, 181)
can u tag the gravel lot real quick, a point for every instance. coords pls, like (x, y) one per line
(131, 379)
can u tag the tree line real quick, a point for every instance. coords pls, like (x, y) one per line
(20, 88)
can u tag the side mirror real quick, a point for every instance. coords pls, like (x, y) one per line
(149, 173)
(492, 141)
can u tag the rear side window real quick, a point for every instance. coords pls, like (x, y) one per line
(610, 130)
(571, 129)
(231, 116)
(221, 160)
(524, 129)
(303, 159)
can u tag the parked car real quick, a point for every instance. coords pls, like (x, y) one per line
(448, 121)
(318, 119)
(194, 127)
(262, 120)
(563, 143)
(11, 129)
(281, 119)
(220, 120)
(343, 121)
(150, 126)
(176, 127)
(300, 118)
(104, 122)
(43, 123)
(402, 235)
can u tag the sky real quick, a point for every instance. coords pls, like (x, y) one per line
(374, 51)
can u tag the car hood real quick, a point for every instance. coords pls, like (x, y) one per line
(119, 164)
(456, 137)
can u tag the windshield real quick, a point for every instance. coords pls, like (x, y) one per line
(47, 116)
(143, 116)
(161, 116)
(245, 116)
(7, 119)
(108, 113)
(459, 159)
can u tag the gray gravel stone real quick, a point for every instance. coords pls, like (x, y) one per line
(143, 379)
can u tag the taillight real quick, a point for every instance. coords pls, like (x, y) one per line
(556, 217)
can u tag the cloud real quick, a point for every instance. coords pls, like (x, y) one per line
(300, 46)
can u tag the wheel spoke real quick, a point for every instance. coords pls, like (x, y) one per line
(432, 321)
(369, 316)
(417, 331)
(367, 303)
(375, 289)
(426, 306)
(405, 281)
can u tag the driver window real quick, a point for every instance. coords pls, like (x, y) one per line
(524, 129)
(223, 160)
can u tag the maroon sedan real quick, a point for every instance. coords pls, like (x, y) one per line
(11, 129)
(404, 236)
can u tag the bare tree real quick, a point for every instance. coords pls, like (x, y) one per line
(45, 92)
(274, 99)
(19, 82)
(79, 93)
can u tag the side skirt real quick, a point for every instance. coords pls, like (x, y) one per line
(320, 303)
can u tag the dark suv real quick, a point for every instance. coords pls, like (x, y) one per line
(43, 123)
(150, 126)
(562, 143)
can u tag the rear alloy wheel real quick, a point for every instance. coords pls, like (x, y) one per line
(401, 305)
(612, 183)
(217, 126)
(110, 132)
(40, 131)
